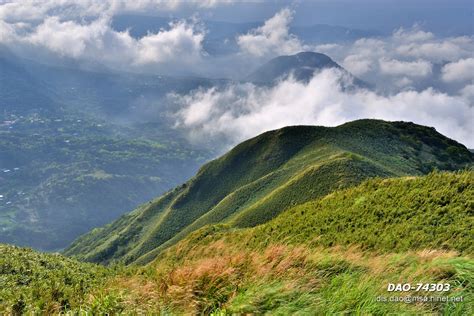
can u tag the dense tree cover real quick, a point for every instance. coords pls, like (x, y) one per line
(79, 148)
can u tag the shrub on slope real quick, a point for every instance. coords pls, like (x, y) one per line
(32, 282)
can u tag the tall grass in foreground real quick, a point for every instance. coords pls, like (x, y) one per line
(222, 279)
(331, 256)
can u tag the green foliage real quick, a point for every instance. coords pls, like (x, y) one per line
(309, 259)
(104, 304)
(47, 283)
(266, 175)
(333, 255)
(433, 212)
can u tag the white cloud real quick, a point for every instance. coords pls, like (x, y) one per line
(97, 41)
(461, 70)
(417, 43)
(327, 48)
(404, 82)
(81, 30)
(468, 93)
(415, 34)
(6, 32)
(438, 50)
(30, 10)
(242, 111)
(407, 58)
(272, 38)
(68, 38)
(181, 42)
(361, 57)
(370, 47)
(358, 64)
(419, 68)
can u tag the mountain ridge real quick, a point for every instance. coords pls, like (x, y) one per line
(268, 174)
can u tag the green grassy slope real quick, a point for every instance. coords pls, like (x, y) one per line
(332, 255)
(48, 283)
(268, 174)
(431, 212)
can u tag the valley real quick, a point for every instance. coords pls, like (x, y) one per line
(72, 157)
(90, 145)
(63, 174)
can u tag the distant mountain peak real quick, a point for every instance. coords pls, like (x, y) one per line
(301, 66)
(313, 58)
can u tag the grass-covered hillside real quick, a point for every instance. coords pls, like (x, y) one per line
(268, 174)
(332, 255)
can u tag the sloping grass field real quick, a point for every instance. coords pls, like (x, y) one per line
(273, 172)
(332, 255)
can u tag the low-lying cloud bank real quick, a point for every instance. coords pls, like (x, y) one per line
(241, 111)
